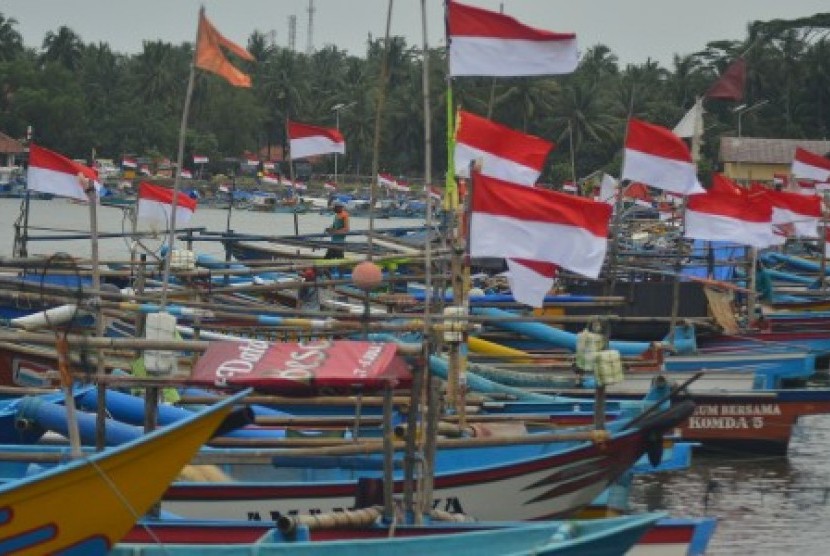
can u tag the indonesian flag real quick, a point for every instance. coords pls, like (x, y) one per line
(514, 221)
(727, 212)
(803, 211)
(269, 166)
(285, 182)
(50, 172)
(569, 187)
(399, 185)
(155, 204)
(507, 154)
(486, 43)
(186, 174)
(386, 180)
(144, 169)
(199, 159)
(270, 179)
(300, 186)
(129, 163)
(252, 162)
(329, 186)
(308, 140)
(435, 193)
(607, 190)
(810, 165)
(657, 157)
(805, 187)
(530, 281)
(639, 194)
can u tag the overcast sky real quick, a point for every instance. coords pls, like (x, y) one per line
(634, 29)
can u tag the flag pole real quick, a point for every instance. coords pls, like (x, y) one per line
(697, 139)
(165, 286)
(611, 279)
(291, 175)
(421, 383)
(384, 70)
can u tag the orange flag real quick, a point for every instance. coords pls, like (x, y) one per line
(209, 55)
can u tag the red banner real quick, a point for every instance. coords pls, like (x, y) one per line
(312, 367)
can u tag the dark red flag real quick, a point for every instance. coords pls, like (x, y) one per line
(730, 85)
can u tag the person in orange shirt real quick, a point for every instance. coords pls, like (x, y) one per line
(338, 231)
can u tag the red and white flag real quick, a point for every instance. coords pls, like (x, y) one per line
(200, 159)
(506, 154)
(810, 165)
(530, 281)
(805, 187)
(309, 140)
(186, 174)
(300, 186)
(435, 193)
(270, 179)
(802, 211)
(50, 172)
(781, 180)
(329, 186)
(514, 221)
(569, 187)
(386, 180)
(657, 157)
(269, 166)
(486, 43)
(155, 204)
(144, 170)
(129, 163)
(727, 212)
(638, 193)
(400, 186)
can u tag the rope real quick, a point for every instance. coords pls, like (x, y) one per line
(125, 502)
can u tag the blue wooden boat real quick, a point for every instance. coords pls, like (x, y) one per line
(608, 537)
(769, 365)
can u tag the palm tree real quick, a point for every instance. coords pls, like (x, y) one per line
(260, 46)
(64, 47)
(11, 43)
(159, 74)
(525, 100)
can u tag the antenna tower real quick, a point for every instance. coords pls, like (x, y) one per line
(309, 47)
(292, 32)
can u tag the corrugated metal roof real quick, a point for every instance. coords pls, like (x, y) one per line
(767, 151)
(9, 145)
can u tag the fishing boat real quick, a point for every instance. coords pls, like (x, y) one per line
(40, 514)
(610, 537)
(667, 536)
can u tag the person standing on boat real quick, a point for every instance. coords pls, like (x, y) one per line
(338, 231)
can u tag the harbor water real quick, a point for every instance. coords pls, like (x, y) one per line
(768, 506)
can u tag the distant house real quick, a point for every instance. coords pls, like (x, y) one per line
(759, 159)
(11, 151)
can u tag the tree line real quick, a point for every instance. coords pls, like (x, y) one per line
(81, 96)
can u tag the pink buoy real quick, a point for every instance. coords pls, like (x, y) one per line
(367, 275)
